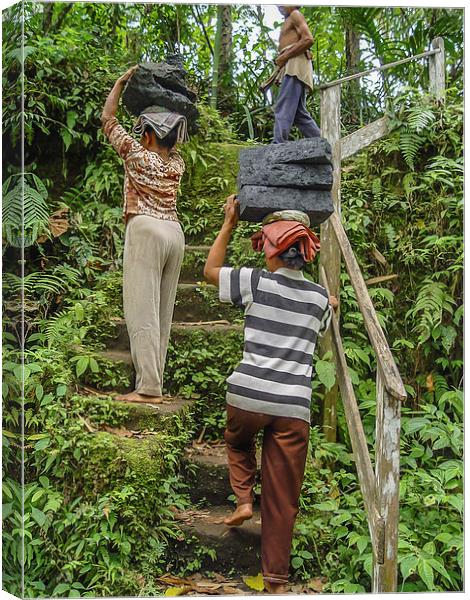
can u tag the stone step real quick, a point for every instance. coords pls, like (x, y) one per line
(119, 342)
(237, 548)
(132, 416)
(207, 474)
(195, 302)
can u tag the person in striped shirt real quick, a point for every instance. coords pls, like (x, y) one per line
(270, 389)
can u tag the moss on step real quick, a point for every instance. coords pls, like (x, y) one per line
(110, 461)
(168, 417)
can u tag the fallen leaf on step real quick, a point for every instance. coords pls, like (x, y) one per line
(231, 590)
(174, 580)
(255, 583)
(177, 591)
(317, 584)
(120, 431)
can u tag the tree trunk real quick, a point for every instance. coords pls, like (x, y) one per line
(225, 92)
(353, 88)
(222, 80)
(47, 17)
(216, 61)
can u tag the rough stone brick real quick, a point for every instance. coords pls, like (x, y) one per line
(318, 177)
(258, 201)
(161, 84)
(314, 151)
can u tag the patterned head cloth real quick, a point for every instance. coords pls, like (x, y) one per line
(162, 122)
(283, 229)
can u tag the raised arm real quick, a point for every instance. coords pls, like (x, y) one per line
(112, 101)
(216, 257)
(305, 38)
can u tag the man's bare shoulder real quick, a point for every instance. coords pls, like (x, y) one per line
(296, 17)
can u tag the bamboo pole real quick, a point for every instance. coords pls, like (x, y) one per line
(381, 68)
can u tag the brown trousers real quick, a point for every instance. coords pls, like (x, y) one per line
(285, 444)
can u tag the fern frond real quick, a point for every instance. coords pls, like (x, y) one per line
(419, 119)
(410, 145)
(431, 303)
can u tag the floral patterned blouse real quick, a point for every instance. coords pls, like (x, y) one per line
(150, 183)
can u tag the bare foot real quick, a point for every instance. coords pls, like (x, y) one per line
(275, 588)
(240, 514)
(142, 398)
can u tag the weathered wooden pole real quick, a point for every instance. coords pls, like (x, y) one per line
(437, 70)
(387, 476)
(330, 257)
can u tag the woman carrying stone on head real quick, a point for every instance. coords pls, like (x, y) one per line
(154, 240)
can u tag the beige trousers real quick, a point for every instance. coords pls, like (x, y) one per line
(153, 253)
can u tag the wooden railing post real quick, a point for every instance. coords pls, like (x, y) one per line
(387, 475)
(437, 70)
(330, 258)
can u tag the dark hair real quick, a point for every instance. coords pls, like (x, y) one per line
(293, 258)
(169, 141)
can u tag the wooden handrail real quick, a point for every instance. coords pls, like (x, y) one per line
(402, 61)
(360, 449)
(392, 380)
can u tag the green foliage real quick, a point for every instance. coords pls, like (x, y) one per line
(97, 518)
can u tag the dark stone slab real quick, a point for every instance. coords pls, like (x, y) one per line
(318, 177)
(258, 201)
(161, 84)
(315, 151)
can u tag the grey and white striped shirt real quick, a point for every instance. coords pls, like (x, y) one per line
(284, 315)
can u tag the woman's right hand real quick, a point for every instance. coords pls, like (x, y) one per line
(231, 208)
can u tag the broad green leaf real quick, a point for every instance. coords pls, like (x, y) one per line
(329, 505)
(61, 390)
(408, 565)
(60, 589)
(297, 562)
(326, 373)
(42, 444)
(82, 365)
(38, 516)
(426, 573)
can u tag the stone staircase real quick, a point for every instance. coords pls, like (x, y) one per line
(204, 464)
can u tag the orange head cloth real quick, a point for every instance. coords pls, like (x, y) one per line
(277, 237)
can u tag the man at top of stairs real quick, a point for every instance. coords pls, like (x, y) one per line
(294, 74)
(271, 387)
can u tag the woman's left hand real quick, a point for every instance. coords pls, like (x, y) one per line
(128, 74)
